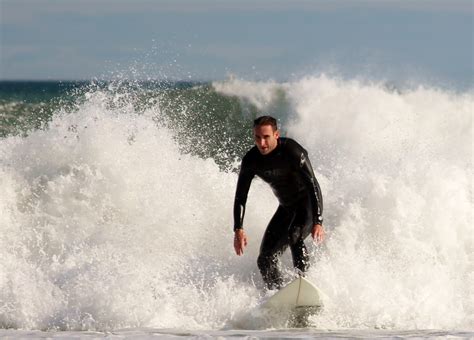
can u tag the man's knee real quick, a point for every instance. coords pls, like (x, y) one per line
(299, 233)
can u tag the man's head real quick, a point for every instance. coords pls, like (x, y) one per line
(265, 134)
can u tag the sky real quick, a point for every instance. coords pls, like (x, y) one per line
(394, 40)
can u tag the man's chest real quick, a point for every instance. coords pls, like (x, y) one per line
(274, 170)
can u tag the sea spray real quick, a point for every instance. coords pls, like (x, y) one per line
(105, 224)
(396, 172)
(111, 219)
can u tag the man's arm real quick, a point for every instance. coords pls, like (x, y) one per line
(300, 156)
(315, 189)
(316, 197)
(243, 185)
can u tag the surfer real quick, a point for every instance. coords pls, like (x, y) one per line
(284, 164)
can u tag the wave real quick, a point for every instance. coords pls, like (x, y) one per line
(118, 213)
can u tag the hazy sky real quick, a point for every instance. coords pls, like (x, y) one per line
(210, 39)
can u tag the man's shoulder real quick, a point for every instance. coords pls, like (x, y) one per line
(252, 151)
(250, 155)
(290, 144)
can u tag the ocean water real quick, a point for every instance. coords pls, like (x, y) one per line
(116, 209)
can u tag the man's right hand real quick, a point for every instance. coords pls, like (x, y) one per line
(240, 241)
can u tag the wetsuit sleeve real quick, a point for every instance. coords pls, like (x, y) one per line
(243, 185)
(304, 165)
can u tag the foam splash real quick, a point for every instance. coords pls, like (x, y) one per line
(396, 173)
(107, 225)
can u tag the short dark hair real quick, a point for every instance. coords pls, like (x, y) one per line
(266, 120)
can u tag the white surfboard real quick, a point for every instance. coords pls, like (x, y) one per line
(298, 293)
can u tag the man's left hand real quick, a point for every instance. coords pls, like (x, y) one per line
(318, 233)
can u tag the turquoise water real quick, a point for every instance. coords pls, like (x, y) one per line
(197, 107)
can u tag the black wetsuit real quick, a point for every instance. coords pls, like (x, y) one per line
(288, 171)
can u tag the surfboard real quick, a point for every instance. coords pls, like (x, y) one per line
(298, 293)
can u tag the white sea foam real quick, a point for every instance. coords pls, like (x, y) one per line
(396, 173)
(106, 225)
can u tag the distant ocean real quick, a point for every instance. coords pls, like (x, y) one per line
(116, 208)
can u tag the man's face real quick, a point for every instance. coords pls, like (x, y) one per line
(265, 138)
